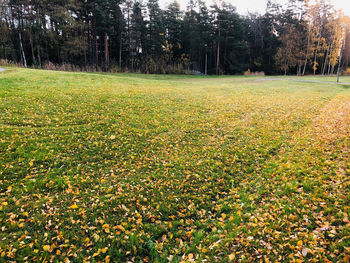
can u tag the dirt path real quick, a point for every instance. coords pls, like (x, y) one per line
(305, 80)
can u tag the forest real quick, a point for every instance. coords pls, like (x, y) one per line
(300, 37)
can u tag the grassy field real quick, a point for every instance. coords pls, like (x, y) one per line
(147, 168)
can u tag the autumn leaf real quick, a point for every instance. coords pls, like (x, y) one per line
(74, 206)
(231, 257)
(46, 247)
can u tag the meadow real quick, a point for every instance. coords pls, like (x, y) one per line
(159, 168)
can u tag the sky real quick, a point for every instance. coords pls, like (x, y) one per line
(243, 6)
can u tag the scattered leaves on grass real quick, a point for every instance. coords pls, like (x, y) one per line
(121, 168)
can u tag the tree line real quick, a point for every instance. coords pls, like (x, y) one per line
(298, 37)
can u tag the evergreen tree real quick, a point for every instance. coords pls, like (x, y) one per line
(300, 36)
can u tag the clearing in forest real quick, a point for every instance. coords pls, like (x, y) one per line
(127, 167)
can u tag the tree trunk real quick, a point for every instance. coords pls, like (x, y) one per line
(307, 52)
(120, 52)
(32, 46)
(89, 43)
(106, 51)
(218, 56)
(315, 58)
(37, 37)
(39, 56)
(325, 62)
(299, 68)
(96, 51)
(22, 50)
(95, 44)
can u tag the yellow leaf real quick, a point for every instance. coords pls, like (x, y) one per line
(121, 228)
(107, 259)
(104, 250)
(97, 253)
(231, 256)
(300, 243)
(96, 237)
(73, 206)
(46, 247)
(58, 252)
(190, 256)
(106, 228)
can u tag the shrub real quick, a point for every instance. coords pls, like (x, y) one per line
(258, 73)
(247, 73)
(7, 63)
(347, 71)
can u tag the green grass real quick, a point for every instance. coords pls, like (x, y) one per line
(128, 167)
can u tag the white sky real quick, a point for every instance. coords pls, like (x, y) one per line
(243, 6)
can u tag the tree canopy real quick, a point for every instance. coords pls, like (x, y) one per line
(132, 35)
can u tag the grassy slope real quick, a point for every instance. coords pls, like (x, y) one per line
(134, 167)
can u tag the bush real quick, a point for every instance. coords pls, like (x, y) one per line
(71, 67)
(7, 63)
(115, 69)
(257, 73)
(347, 72)
(247, 73)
